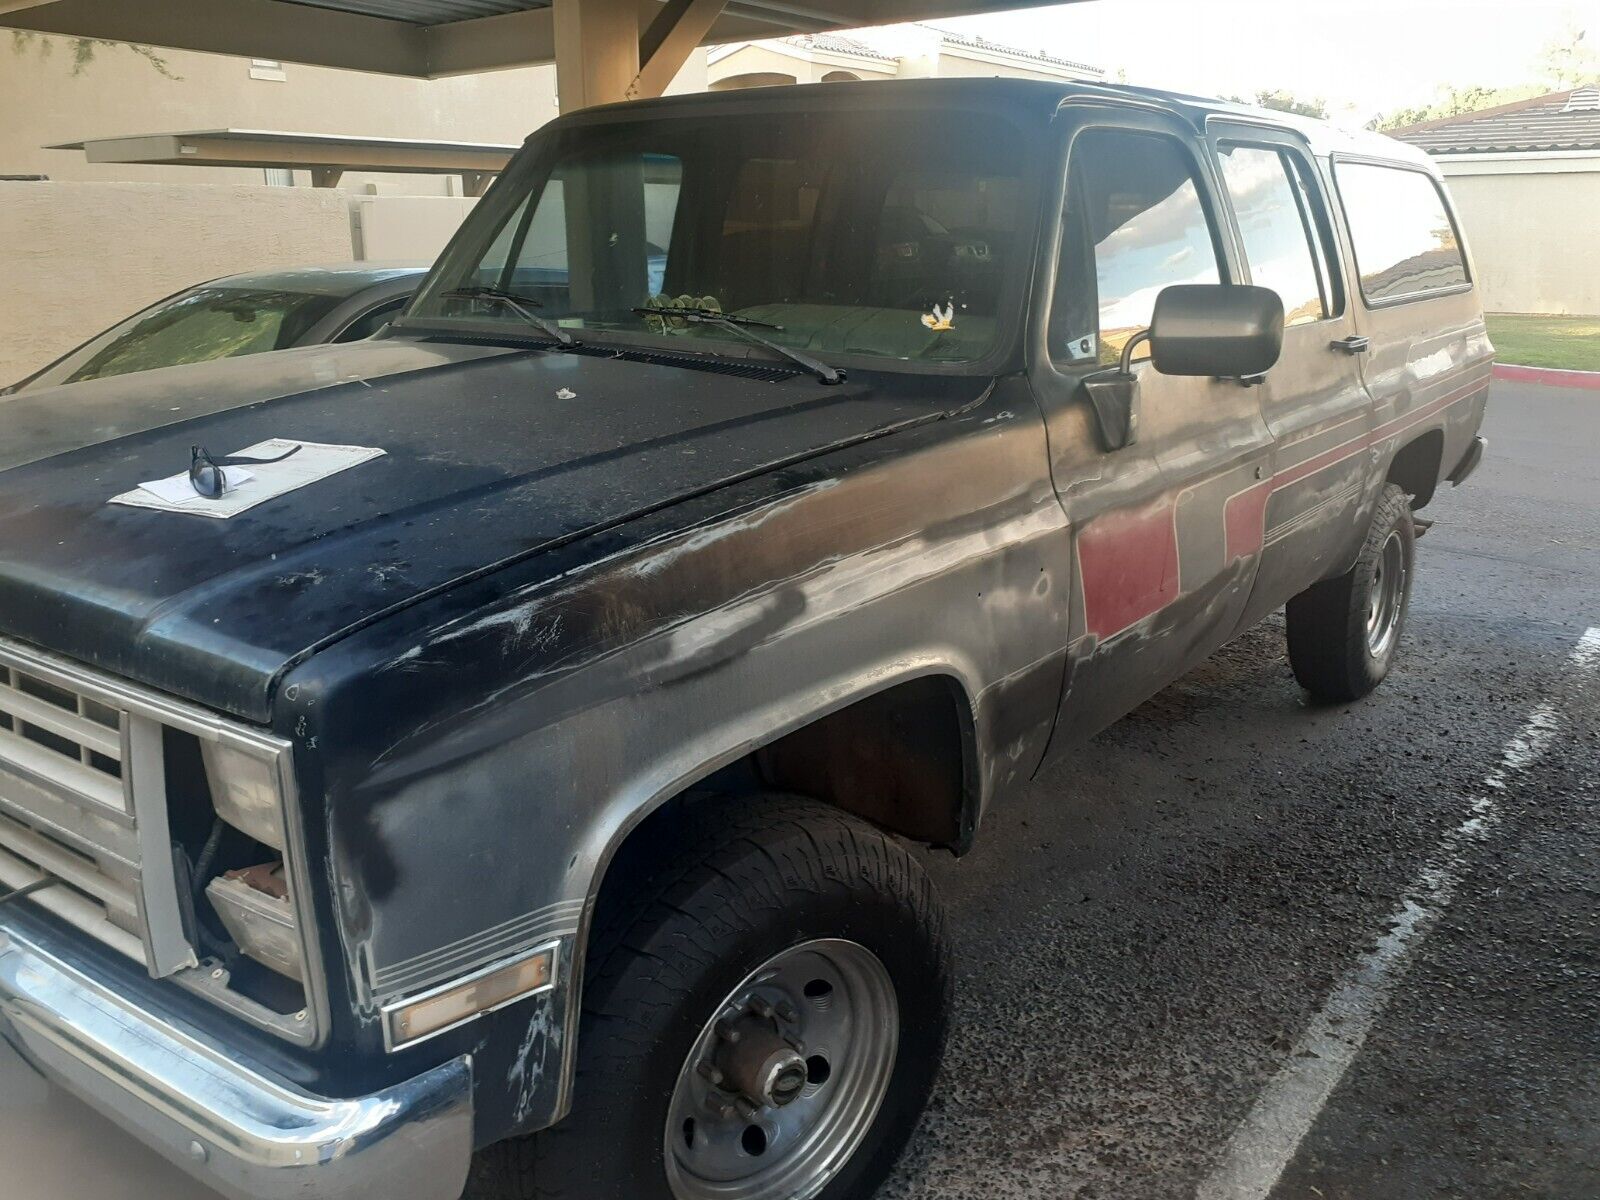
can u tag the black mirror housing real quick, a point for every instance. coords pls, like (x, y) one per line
(1217, 330)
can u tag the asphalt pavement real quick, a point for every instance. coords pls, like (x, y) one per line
(1246, 948)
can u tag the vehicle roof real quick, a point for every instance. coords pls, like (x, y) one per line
(1039, 98)
(337, 279)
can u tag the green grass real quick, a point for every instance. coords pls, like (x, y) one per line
(1571, 343)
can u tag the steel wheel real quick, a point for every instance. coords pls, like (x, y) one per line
(786, 1077)
(1387, 596)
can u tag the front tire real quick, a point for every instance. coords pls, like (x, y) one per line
(764, 1014)
(1344, 632)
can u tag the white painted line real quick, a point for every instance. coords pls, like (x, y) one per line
(1266, 1140)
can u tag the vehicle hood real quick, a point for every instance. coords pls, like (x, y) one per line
(491, 454)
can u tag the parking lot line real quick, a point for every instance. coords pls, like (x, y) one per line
(1266, 1140)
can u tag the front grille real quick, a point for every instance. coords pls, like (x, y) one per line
(65, 807)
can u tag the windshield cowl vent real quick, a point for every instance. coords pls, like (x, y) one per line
(765, 372)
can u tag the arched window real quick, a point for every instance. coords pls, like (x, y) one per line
(752, 79)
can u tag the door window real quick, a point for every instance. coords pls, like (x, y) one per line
(1281, 239)
(1134, 223)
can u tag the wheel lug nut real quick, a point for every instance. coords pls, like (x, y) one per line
(788, 1012)
(762, 1008)
(747, 1107)
(709, 1073)
(727, 1032)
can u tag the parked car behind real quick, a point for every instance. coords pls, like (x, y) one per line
(768, 480)
(241, 314)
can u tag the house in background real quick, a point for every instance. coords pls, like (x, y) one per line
(887, 52)
(1526, 182)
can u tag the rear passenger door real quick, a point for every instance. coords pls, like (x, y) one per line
(1159, 581)
(1306, 515)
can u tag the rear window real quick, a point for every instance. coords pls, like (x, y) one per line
(1405, 243)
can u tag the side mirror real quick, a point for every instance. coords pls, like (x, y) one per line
(1215, 330)
(1196, 329)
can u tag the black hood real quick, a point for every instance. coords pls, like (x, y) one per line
(491, 455)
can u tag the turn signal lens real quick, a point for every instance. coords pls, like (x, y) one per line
(494, 987)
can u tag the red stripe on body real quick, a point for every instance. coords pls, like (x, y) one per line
(1129, 561)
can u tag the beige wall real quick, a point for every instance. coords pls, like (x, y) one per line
(404, 228)
(120, 93)
(1532, 229)
(81, 256)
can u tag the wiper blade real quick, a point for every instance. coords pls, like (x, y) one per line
(519, 304)
(742, 326)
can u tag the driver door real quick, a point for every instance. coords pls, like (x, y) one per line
(1161, 578)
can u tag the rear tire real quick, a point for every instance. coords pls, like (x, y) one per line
(1344, 632)
(736, 908)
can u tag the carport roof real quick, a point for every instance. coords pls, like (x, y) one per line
(431, 38)
(1559, 121)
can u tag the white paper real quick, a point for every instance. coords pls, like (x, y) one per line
(177, 489)
(247, 488)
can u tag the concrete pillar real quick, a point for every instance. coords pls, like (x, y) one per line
(603, 55)
(597, 51)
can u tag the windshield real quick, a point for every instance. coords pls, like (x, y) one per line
(896, 236)
(199, 325)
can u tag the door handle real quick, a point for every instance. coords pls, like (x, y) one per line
(1354, 344)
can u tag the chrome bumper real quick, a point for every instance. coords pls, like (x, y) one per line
(236, 1130)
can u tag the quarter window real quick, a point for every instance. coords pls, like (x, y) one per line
(1281, 239)
(1134, 223)
(1404, 241)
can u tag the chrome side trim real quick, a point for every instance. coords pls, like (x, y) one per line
(235, 1128)
(493, 946)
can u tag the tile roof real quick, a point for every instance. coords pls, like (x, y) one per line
(978, 43)
(1547, 122)
(838, 43)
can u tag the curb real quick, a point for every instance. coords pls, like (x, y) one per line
(1548, 376)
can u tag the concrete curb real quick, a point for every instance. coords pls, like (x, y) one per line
(1548, 376)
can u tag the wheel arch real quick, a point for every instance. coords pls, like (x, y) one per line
(1417, 465)
(939, 807)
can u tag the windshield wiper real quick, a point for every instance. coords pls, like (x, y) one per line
(521, 305)
(742, 326)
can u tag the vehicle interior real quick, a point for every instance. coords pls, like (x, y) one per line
(901, 245)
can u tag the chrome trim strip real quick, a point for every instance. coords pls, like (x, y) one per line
(495, 944)
(235, 1128)
(167, 948)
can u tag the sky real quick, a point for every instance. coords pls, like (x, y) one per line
(1362, 56)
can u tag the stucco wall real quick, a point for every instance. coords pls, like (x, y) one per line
(120, 93)
(405, 228)
(42, 102)
(81, 256)
(1532, 229)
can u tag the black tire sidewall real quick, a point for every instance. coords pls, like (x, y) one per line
(626, 1076)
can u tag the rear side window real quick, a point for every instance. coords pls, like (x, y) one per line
(1404, 241)
(1134, 223)
(1282, 235)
